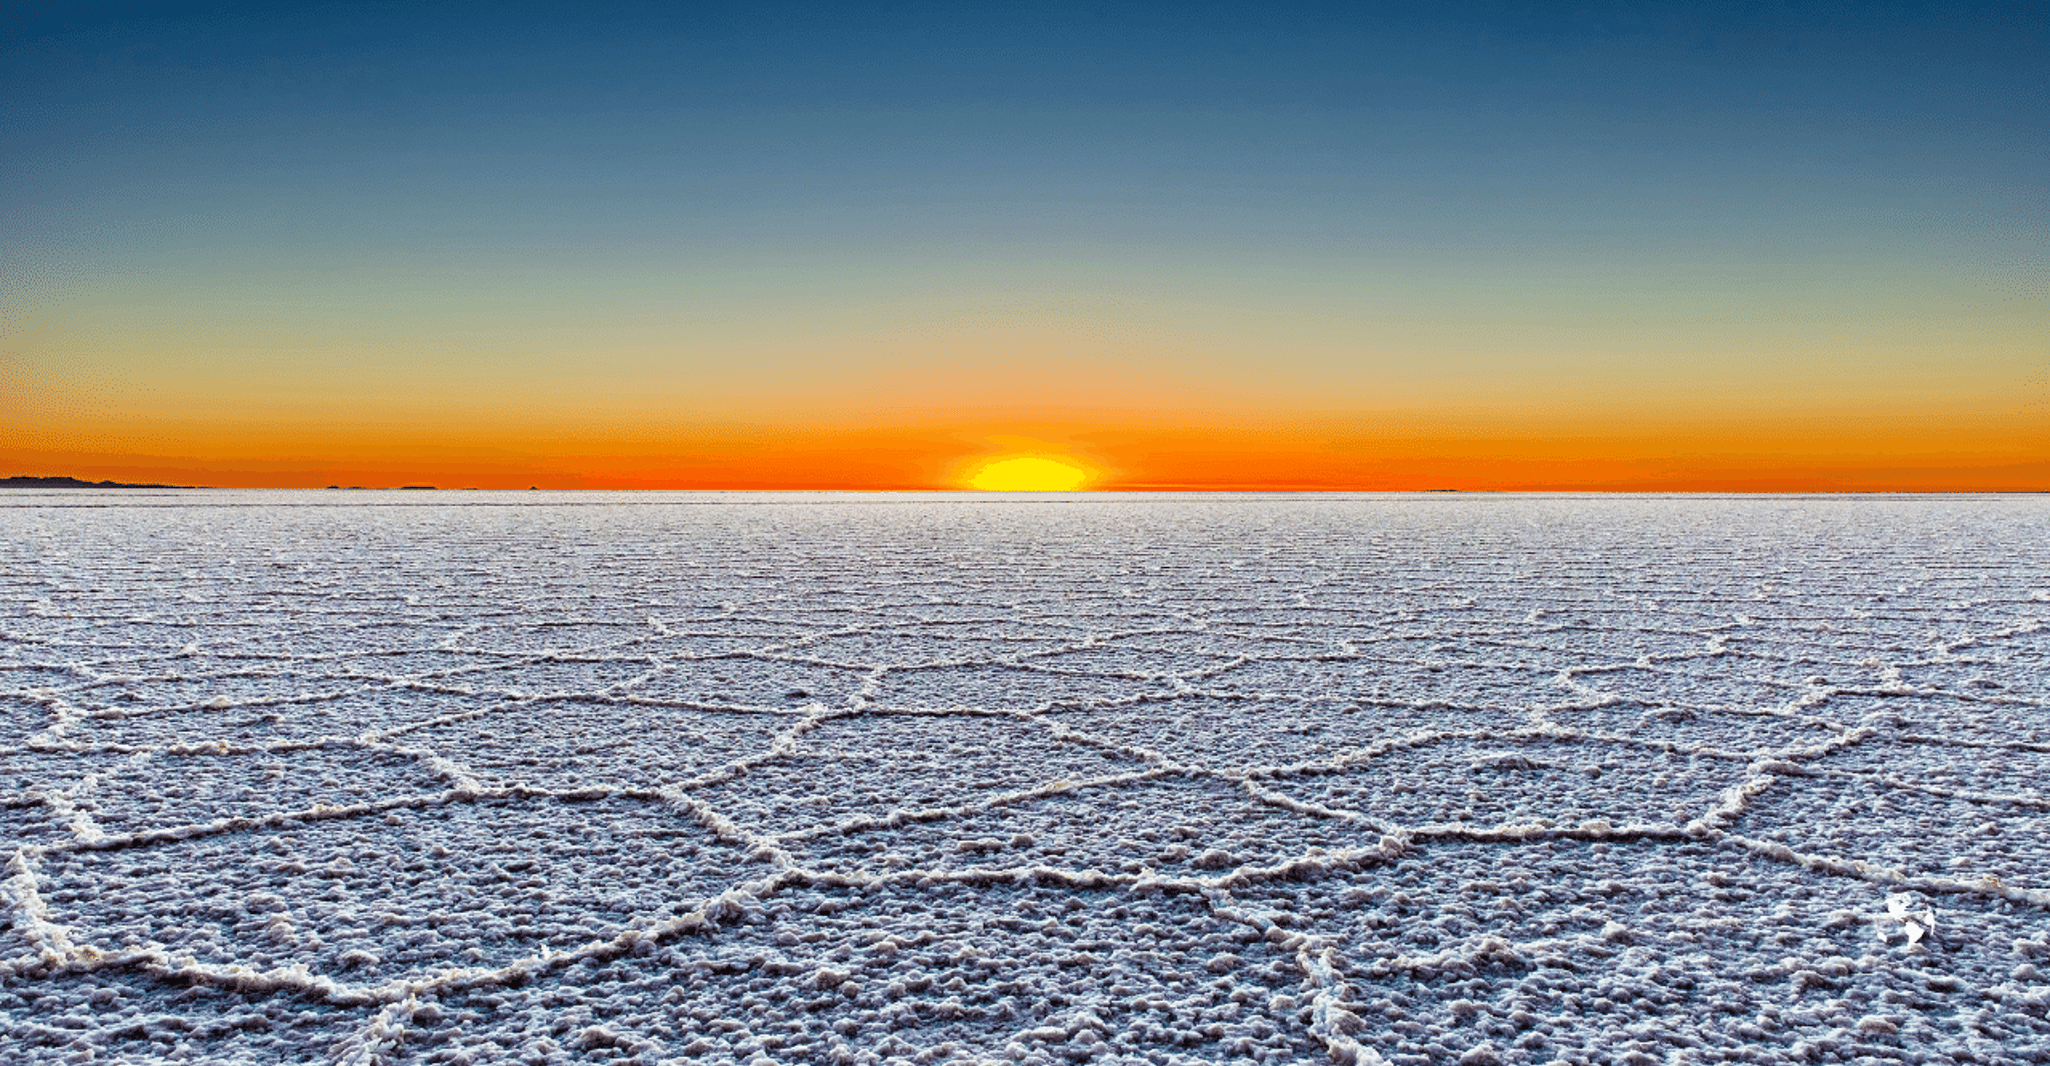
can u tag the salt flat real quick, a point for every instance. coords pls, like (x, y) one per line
(538, 777)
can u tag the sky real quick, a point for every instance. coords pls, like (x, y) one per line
(1607, 246)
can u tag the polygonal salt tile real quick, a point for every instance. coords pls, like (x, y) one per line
(962, 648)
(2001, 771)
(911, 645)
(45, 772)
(1173, 825)
(1592, 643)
(1864, 819)
(2017, 675)
(161, 791)
(2021, 659)
(124, 1015)
(872, 765)
(1225, 643)
(1878, 628)
(1568, 951)
(1341, 622)
(27, 819)
(702, 642)
(569, 744)
(1790, 671)
(347, 714)
(17, 679)
(1540, 780)
(400, 894)
(1134, 656)
(1850, 668)
(992, 686)
(161, 727)
(909, 972)
(1106, 614)
(1731, 731)
(1456, 612)
(1694, 684)
(378, 629)
(193, 682)
(398, 664)
(1944, 717)
(1507, 649)
(761, 624)
(536, 638)
(22, 717)
(130, 634)
(1237, 735)
(565, 675)
(47, 631)
(1406, 640)
(958, 607)
(373, 709)
(749, 681)
(971, 623)
(1451, 684)
(988, 751)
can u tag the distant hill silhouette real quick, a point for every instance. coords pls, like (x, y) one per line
(20, 481)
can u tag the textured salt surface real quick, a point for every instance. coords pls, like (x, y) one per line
(542, 778)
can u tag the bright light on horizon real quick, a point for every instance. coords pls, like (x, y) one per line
(1028, 473)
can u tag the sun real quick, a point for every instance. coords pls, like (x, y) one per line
(1028, 473)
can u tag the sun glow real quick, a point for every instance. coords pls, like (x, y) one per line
(1028, 473)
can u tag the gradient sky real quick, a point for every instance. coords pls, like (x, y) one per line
(1544, 245)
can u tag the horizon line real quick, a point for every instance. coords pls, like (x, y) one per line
(25, 484)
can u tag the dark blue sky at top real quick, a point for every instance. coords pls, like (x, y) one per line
(857, 122)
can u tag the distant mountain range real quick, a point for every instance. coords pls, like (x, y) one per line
(25, 482)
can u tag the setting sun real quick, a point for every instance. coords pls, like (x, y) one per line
(1028, 474)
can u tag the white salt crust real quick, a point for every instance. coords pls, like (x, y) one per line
(710, 778)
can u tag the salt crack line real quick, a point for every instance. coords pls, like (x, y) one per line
(910, 816)
(1330, 1022)
(1967, 744)
(57, 953)
(376, 736)
(759, 848)
(374, 1044)
(319, 813)
(1906, 785)
(1425, 737)
(63, 806)
(1594, 830)
(50, 940)
(1988, 885)
(1062, 732)
(1735, 800)
(1251, 783)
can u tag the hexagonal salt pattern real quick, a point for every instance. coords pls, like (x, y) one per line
(915, 971)
(776, 778)
(1241, 734)
(1911, 830)
(21, 715)
(402, 893)
(127, 1014)
(1519, 779)
(167, 790)
(1566, 950)
(570, 744)
(1170, 824)
(867, 767)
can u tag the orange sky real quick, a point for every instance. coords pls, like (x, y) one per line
(1567, 247)
(1942, 451)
